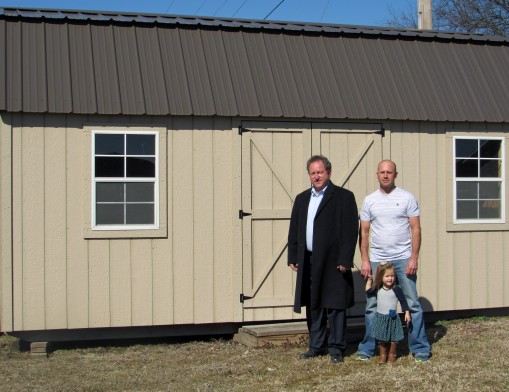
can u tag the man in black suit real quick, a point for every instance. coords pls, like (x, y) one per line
(321, 245)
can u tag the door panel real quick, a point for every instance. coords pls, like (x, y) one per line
(355, 151)
(272, 174)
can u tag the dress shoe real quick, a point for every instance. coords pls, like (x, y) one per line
(336, 358)
(311, 354)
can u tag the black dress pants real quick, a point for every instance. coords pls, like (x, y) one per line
(317, 321)
(317, 327)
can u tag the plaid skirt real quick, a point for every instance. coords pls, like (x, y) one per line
(387, 329)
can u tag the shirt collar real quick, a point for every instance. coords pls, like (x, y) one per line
(316, 194)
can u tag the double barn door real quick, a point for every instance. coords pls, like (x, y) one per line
(274, 159)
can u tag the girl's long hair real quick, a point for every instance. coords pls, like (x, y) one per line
(380, 272)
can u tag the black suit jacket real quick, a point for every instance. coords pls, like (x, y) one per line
(335, 235)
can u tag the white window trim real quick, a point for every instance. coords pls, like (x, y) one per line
(501, 179)
(123, 180)
(164, 142)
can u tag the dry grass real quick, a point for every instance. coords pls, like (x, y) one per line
(468, 355)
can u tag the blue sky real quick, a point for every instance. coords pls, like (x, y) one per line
(354, 12)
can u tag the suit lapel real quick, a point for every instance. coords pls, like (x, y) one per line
(306, 204)
(329, 192)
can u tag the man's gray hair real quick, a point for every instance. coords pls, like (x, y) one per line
(324, 160)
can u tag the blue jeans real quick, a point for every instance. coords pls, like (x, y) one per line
(417, 340)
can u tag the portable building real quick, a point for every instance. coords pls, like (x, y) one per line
(149, 163)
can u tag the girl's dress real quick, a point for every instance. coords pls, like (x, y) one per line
(386, 324)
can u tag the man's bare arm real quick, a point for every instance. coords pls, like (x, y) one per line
(415, 232)
(364, 248)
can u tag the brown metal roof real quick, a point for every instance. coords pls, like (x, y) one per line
(108, 63)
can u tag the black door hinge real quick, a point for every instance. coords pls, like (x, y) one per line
(381, 132)
(242, 214)
(242, 129)
(243, 298)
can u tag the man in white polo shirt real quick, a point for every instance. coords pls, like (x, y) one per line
(392, 215)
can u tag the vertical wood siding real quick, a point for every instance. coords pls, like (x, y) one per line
(457, 270)
(62, 280)
(55, 232)
(77, 276)
(32, 222)
(6, 272)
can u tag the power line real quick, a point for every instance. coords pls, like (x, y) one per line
(167, 9)
(239, 8)
(275, 8)
(325, 10)
(242, 5)
(221, 6)
(198, 10)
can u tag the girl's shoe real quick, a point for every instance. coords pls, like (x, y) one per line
(392, 352)
(383, 352)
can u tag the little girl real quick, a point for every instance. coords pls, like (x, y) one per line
(387, 328)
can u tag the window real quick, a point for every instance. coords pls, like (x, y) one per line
(479, 186)
(125, 180)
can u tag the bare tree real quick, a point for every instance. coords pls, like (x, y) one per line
(472, 16)
(404, 17)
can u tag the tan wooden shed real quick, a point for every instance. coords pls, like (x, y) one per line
(149, 164)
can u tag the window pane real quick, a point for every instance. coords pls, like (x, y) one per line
(491, 148)
(466, 168)
(141, 167)
(140, 191)
(127, 157)
(466, 190)
(479, 159)
(489, 209)
(109, 191)
(109, 167)
(490, 168)
(139, 214)
(141, 144)
(109, 144)
(466, 148)
(489, 190)
(109, 214)
(466, 209)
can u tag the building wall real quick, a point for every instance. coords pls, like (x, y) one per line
(5, 226)
(458, 269)
(60, 279)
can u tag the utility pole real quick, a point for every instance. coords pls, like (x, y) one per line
(425, 19)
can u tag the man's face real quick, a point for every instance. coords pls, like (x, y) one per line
(386, 176)
(318, 175)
